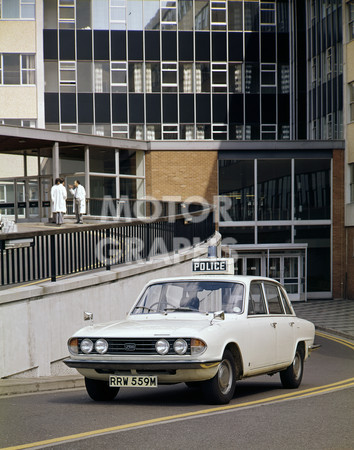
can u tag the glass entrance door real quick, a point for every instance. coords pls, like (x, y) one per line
(27, 200)
(288, 270)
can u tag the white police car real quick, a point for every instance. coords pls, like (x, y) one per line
(207, 330)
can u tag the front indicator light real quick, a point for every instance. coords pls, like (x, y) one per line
(180, 346)
(86, 346)
(198, 346)
(101, 346)
(162, 347)
(73, 345)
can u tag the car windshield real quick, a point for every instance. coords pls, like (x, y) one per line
(195, 296)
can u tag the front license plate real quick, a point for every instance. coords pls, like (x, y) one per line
(132, 381)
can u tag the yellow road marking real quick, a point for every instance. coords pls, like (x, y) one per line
(299, 394)
(336, 339)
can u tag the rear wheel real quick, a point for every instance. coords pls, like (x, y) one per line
(221, 388)
(100, 391)
(292, 376)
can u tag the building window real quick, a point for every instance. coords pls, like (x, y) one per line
(219, 132)
(169, 76)
(117, 17)
(351, 182)
(136, 77)
(218, 15)
(329, 62)
(17, 9)
(187, 132)
(66, 13)
(351, 100)
(267, 14)
(102, 77)
(16, 69)
(67, 73)
(235, 78)
(202, 77)
(170, 131)
(268, 132)
(152, 77)
(119, 76)
(168, 13)
(69, 128)
(120, 131)
(351, 20)
(186, 78)
(219, 77)
(268, 78)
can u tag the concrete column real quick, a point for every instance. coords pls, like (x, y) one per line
(55, 161)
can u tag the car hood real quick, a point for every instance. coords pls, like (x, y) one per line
(147, 327)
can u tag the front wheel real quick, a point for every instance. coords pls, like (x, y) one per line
(221, 388)
(292, 376)
(100, 391)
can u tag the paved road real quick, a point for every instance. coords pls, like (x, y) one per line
(262, 415)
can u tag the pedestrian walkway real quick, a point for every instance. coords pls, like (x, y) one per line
(332, 316)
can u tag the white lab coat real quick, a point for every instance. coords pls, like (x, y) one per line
(58, 195)
(79, 193)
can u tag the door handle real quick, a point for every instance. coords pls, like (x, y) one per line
(273, 324)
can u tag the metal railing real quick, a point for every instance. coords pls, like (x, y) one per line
(48, 254)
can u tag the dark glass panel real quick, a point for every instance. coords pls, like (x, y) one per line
(153, 108)
(252, 47)
(186, 108)
(283, 47)
(51, 107)
(102, 108)
(252, 108)
(85, 108)
(312, 189)
(50, 44)
(219, 46)
(269, 108)
(136, 108)
(118, 45)
(67, 45)
(203, 108)
(135, 45)
(236, 187)
(235, 46)
(236, 108)
(202, 46)
(268, 47)
(219, 108)
(283, 108)
(185, 41)
(101, 45)
(274, 235)
(152, 45)
(274, 189)
(84, 45)
(242, 235)
(68, 108)
(119, 108)
(169, 108)
(169, 45)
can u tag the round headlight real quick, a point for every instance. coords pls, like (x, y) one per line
(101, 346)
(180, 346)
(86, 346)
(162, 346)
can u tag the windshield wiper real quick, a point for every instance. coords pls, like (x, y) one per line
(181, 308)
(144, 307)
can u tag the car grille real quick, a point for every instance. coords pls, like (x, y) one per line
(141, 346)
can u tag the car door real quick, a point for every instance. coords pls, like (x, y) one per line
(261, 348)
(282, 324)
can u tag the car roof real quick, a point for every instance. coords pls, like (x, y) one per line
(245, 279)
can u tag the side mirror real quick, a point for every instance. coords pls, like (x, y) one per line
(218, 315)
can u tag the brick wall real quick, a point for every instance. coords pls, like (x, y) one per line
(338, 230)
(181, 173)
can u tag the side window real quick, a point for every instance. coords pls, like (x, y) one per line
(273, 299)
(256, 304)
(286, 302)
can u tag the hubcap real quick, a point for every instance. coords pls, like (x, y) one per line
(297, 365)
(225, 376)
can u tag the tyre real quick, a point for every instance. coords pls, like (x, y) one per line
(292, 376)
(221, 388)
(100, 391)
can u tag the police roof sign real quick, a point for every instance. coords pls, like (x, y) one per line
(216, 266)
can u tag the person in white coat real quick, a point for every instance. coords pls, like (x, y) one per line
(58, 196)
(79, 193)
